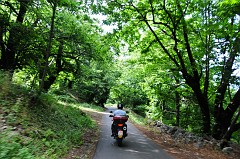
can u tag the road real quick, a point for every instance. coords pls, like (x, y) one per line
(135, 145)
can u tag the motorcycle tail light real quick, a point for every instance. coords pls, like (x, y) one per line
(120, 124)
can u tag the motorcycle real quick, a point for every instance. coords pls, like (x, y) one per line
(119, 126)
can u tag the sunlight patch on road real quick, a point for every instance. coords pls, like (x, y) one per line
(133, 151)
(92, 110)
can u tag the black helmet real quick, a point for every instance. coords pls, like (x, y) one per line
(120, 106)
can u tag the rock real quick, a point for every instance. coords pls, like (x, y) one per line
(4, 127)
(165, 128)
(172, 130)
(178, 135)
(13, 133)
(227, 150)
(159, 123)
(199, 144)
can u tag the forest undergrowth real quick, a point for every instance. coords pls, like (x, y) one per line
(40, 126)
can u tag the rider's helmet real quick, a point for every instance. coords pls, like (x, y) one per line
(120, 106)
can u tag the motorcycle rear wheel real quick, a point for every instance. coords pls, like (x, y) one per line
(119, 142)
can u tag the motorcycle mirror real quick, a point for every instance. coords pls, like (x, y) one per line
(111, 111)
(110, 115)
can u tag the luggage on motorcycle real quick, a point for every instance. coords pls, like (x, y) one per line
(122, 119)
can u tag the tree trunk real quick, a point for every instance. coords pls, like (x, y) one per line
(48, 82)
(48, 50)
(230, 130)
(223, 118)
(203, 104)
(2, 32)
(54, 74)
(70, 84)
(177, 98)
(8, 55)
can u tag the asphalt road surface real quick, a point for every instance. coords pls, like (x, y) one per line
(135, 145)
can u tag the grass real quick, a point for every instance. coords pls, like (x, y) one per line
(45, 126)
(138, 119)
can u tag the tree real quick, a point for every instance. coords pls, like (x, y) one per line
(128, 89)
(49, 46)
(70, 39)
(9, 42)
(193, 37)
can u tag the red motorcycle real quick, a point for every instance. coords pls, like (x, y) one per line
(119, 126)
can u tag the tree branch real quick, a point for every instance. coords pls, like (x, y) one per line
(151, 43)
(226, 75)
(11, 7)
(232, 126)
(189, 52)
(155, 35)
(235, 103)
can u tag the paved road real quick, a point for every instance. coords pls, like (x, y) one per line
(135, 145)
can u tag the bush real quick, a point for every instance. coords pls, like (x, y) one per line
(140, 110)
(11, 148)
(5, 84)
(44, 126)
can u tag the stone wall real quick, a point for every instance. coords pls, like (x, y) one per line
(181, 136)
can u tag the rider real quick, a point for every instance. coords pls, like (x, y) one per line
(118, 112)
(120, 106)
